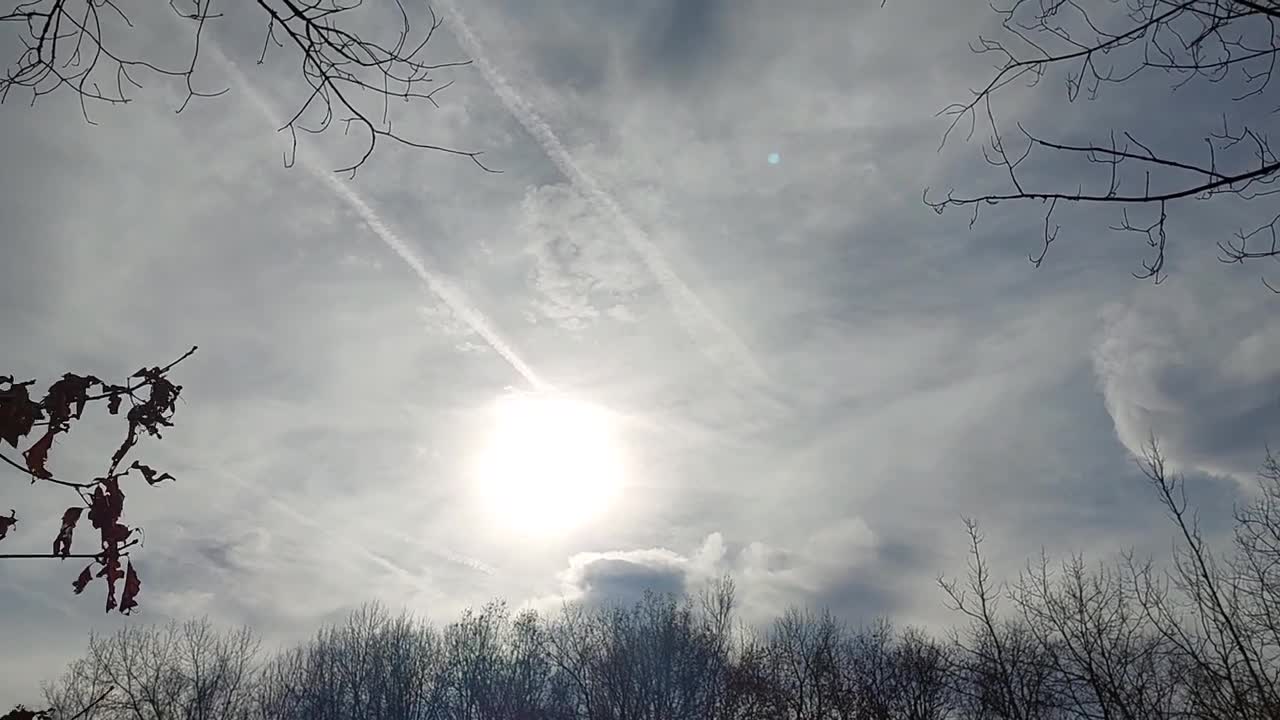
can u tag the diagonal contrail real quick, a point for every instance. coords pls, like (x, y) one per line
(438, 284)
(698, 321)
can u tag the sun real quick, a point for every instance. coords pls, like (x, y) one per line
(550, 463)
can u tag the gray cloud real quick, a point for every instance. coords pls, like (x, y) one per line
(581, 272)
(843, 566)
(1196, 367)
(915, 369)
(625, 576)
(672, 41)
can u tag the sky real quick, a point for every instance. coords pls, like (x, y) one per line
(707, 234)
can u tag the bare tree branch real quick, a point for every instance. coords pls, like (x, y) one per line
(1095, 45)
(71, 45)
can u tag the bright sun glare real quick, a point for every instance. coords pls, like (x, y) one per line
(550, 463)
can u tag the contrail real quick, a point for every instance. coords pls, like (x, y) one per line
(452, 296)
(438, 284)
(435, 282)
(693, 314)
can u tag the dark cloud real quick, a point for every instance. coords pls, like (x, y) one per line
(881, 585)
(680, 37)
(626, 580)
(235, 553)
(670, 43)
(623, 576)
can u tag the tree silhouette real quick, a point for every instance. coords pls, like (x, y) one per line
(1195, 638)
(190, 669)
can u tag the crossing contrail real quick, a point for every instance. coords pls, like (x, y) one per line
(453, 297)
(718, 339)
(437, 283)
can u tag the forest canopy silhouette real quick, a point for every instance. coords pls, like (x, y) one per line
(1195, 636)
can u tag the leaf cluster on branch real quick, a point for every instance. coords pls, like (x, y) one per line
(152, 400)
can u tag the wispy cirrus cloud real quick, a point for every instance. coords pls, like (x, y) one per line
(640, 252)
(435, 282)
(718, 339)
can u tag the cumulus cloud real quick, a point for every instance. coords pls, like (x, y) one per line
(1199, 371)
(623, 576)
(768, 577)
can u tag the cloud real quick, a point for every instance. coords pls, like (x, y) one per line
(623, 576)
(442, 287)
(844, 566)
(920, 370)
(578, 276)
(1198, 368)
(717, 339)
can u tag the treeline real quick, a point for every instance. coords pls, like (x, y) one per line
(1197, 636)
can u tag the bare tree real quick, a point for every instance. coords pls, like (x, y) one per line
(1218, 612)
(374, 665)
(491, 671)
(571, 644)
(803, 666)
(661, 659)
(177, 671)
(1095, 44)
(920, 664)
(998, 668)
(1104, 657)
(352, 73)
(886, 674)
(1195, 637)
(665, 657)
